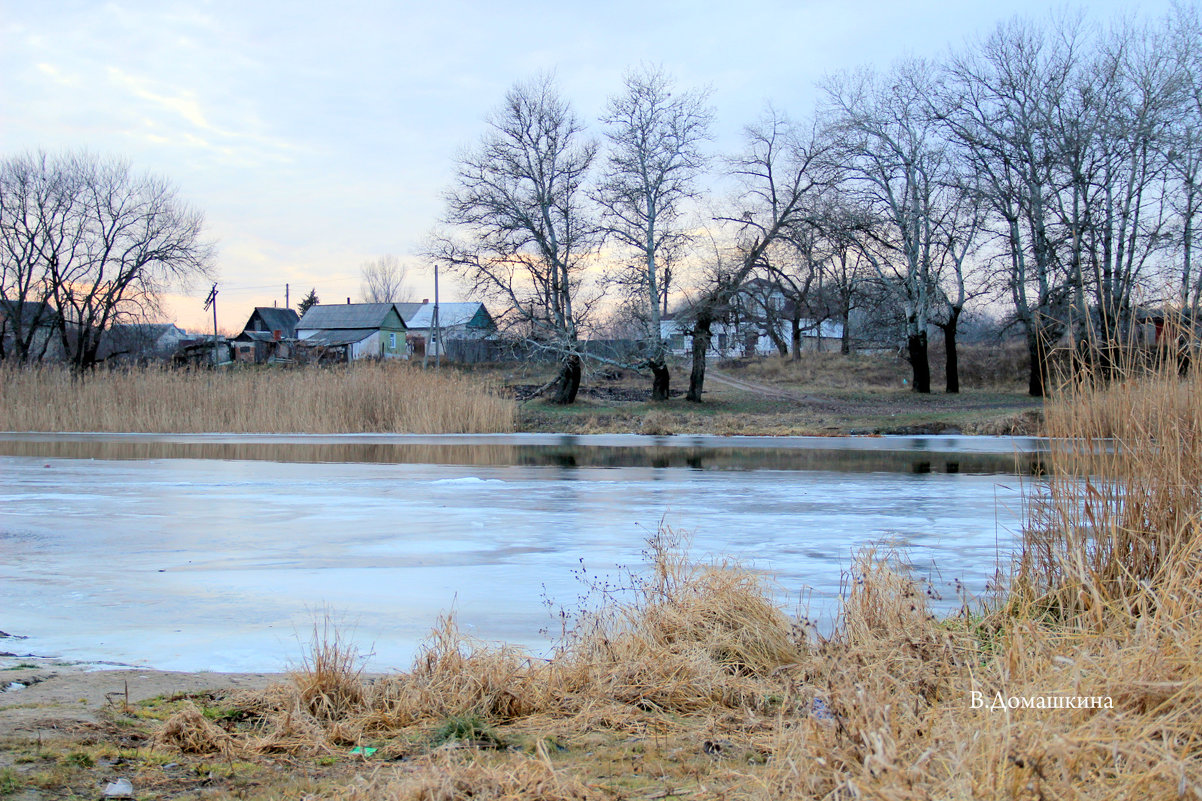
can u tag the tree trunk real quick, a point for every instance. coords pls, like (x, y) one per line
(1037, 352)
(953, 358)
(568, 383)
(782, 348)
(917, 346)
(796, 331)
(845, 338)
(659, 379)
(701, 344)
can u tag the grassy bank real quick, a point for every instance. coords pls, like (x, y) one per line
(362, 398)
(1083, 679)
(819, 394)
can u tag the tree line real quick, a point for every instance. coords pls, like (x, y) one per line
(86, 243)
(1054, 166)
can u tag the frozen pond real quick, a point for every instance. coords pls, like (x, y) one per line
(216, 552)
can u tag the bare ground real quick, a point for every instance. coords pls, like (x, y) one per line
(57, 696)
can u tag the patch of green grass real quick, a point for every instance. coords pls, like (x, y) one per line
(468, 729)
(9, 783)
(22, 666)
(79, 759)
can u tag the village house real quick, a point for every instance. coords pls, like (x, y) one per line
(337, 332)
(733, 337)
(29, 331)
(268, 336)
(140, 341)
(456, 321)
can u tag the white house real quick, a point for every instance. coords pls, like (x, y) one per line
(748, 338)
(140, 340)
(455, 321)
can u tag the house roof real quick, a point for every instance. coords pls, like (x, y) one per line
(145, 330)
(275, 319)
(333, 337)
(348, 316)
(255, 336)
(450, 315)
(31, 312)
(407, 310)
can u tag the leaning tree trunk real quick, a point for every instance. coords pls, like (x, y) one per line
(952, 357)
(917, 346)
(568, 383)
(701, 345)
(659, 379)
(782, 347)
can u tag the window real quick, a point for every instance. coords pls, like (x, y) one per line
(392, 341)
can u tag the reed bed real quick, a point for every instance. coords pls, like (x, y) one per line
(704, 688)
(361, 398)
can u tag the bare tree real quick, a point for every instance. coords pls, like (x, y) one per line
(103, 244)
(655, 136)
(1184, 151)
(519, 229)
(845, 269)
(895, 165)
(781, 176)
(959, 243)
(998, 98)
(39, 226)
(384, 280)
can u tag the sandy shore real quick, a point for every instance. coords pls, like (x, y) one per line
(40, 695)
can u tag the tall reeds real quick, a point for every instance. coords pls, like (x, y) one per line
(1116, 523)
(386, 397)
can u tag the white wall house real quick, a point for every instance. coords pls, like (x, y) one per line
(730, 340)
(467, 320)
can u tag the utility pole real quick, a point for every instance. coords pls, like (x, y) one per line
(434, 323)
(287, 305)
(211, 300)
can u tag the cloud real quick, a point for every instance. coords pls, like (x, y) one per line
(57, 75)
(190, 125)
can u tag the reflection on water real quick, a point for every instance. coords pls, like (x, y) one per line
(917, 455)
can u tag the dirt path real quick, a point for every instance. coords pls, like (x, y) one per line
(756, 388)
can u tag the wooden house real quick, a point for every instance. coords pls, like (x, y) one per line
(352, 331)
(268, 335)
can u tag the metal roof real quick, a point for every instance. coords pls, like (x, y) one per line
(407, 310)
(449, 315)
(347, 316)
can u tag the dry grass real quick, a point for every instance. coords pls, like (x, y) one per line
(192, 733)
(992, 367)
(360, 398)
(449, 776)
(687, 680)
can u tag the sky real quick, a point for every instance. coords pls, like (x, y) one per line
(318, 136)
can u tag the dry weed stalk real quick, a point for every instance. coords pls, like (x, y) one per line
(328, 683)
